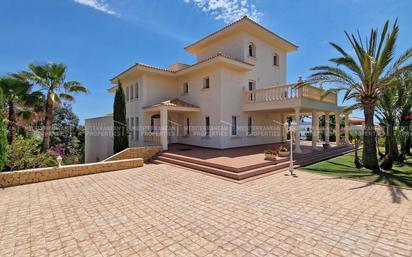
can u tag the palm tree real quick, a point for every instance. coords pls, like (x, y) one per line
(405, 104)
(364, 76)
(20, 101)
(386, 113)
(51, 78)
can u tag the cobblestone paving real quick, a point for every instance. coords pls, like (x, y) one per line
(161, 210)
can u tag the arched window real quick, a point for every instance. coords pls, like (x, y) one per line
(155, 123)
(252, 50)
(276, 59)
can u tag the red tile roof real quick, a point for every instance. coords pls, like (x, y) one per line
(174, 103)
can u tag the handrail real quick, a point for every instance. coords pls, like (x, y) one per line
(288, 92)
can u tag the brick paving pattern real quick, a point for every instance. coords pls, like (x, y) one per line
(161, 210)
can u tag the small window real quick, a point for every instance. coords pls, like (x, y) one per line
(249, 125)
(276, 59)
(185, 88)
(131, 92)
(206, 82)
(136, 91)
(207, 126)
(127, 93)
(234, 126)
(136, 130)
(252, 50)
(187, 126)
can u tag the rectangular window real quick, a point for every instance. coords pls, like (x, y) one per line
(276, 60)
(252, 86)
(185, 88)
(207, 126)
(234, 126)
(249, 125)
(206, 82)
(136, 130)
(131, 128)
(187, 127)
(131, 92)
(136, 91)
(127, 93)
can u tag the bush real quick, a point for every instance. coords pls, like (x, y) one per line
(24, 153)
(3, 134)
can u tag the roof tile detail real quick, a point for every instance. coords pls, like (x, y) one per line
(173, 103)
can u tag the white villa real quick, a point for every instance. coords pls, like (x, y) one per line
(234, 95)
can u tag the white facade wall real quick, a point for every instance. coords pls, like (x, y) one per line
(98, 139)
(232, 45)
(220, 102)
(210, 102)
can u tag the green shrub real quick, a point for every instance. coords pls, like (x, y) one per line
(25, 154)
(3, 134)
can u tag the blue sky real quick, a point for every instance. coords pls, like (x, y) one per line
(99, 38)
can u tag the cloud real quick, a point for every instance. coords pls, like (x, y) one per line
(99, 5)
(227, 10)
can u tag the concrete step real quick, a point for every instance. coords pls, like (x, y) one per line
(221, 172)
(252, 170)
(221, 166)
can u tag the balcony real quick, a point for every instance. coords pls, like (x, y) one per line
(289, 97)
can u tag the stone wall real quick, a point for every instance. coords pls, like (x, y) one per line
(146, 152)
(22, 177)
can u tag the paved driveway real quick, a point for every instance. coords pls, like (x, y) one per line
(160, 210)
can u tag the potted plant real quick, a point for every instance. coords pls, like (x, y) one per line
(283, 151)
(271, 154)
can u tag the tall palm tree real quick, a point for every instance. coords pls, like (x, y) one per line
(364, 76)
(51, 78)
(20, 101)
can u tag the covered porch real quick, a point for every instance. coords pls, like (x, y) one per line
(161, 126)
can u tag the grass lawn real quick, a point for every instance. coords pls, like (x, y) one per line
(344, 167)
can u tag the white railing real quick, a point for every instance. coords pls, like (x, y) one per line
(287, 92)
(152, 138)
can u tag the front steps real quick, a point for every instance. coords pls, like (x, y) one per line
(250, 171)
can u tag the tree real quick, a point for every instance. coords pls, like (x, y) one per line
(51, 78)
(120, 134)
(20, 101)
(3, 134)
(405, 104)
(364, 76)
(67, 136)
(386, 112)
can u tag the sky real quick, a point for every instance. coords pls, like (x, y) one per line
(97, 39)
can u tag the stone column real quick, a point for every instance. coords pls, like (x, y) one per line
(163, 128)
(347, 128)
(327, 128)
(315, 129)
(297, 129)
(337, 128)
